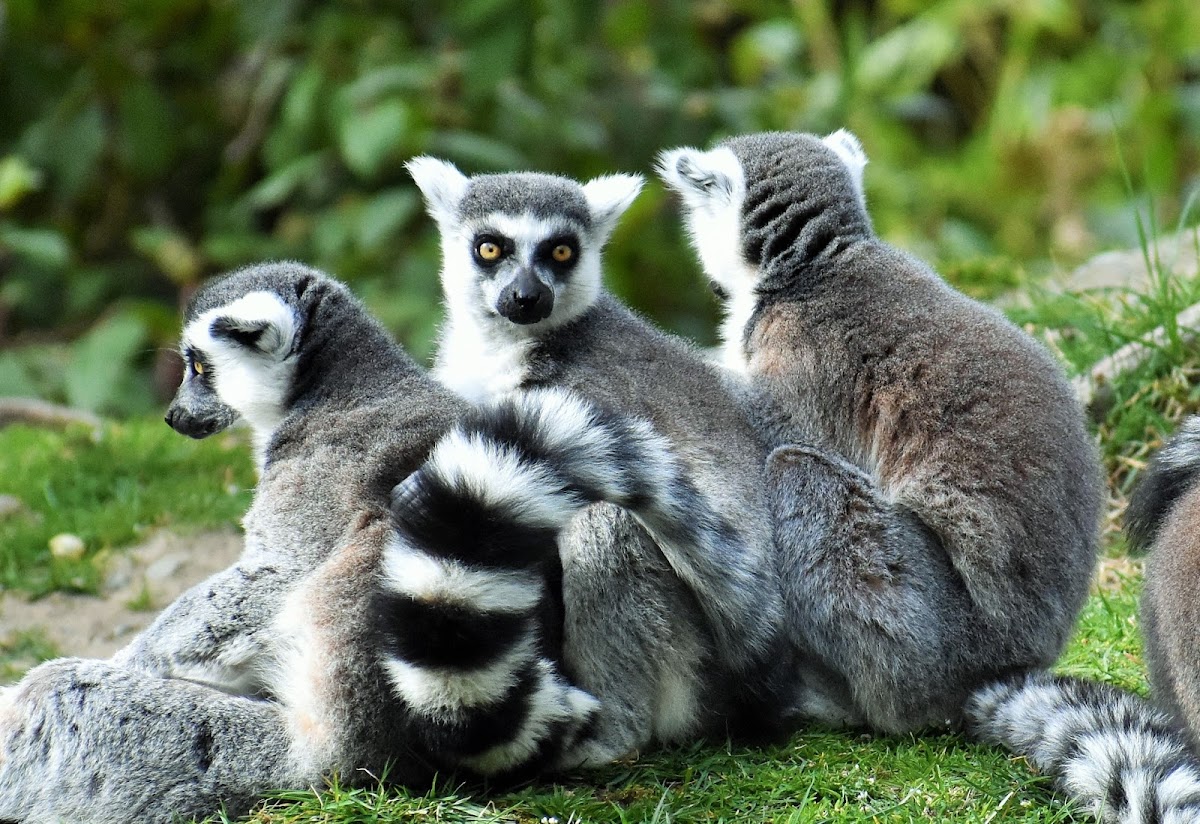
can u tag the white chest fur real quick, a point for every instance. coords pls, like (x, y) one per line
(738, 310)
(480, 364)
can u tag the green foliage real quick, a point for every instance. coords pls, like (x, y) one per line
(146, 146)
(19, 651)
(108, 488)
(1140, 407)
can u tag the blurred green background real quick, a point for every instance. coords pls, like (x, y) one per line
(148, 144)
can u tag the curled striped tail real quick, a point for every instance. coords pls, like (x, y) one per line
(564, 449)
(1173, 471)
(464, 599)
(1110, 751)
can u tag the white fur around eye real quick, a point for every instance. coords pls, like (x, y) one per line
(481, 355)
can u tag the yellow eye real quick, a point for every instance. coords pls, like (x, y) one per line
(488, 250)
(562, 253)
(198, 367)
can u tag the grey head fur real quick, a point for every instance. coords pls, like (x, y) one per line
(789, 217)
(542, 196)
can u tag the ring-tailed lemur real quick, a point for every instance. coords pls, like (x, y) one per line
(354, 590)
(935, 493)
(521, 274)
(1164, 515)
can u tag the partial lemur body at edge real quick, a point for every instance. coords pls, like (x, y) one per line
(1164, 516)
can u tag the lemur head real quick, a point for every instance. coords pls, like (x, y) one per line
(240, 346)
(523, 247)
(755, 197)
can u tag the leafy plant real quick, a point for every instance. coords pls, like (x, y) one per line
(146, 146)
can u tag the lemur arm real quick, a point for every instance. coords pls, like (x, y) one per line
(215, 632)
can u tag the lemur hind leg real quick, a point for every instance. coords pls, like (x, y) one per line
(871, 595)
(89, 742)
(634, 637)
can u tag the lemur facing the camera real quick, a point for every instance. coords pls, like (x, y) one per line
(935, 493)
(1164, 516)
(521, 275)
(397, 609)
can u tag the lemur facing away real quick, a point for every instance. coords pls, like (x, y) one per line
(379, 621)
(934, 491)
(1164, 515)
(521, 273)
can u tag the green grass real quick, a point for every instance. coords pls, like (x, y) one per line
(21, 650)
(109, 489)
(817, 777)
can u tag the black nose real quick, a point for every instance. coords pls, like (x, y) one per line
(527, 300)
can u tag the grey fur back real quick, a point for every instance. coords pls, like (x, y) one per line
(790, 219)
(942, 400)
(934, 492)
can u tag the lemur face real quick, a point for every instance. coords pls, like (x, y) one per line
(523, 265)
(523, 248)
(240, 360)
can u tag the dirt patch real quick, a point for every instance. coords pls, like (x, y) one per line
(1114, 574)
(140, 582)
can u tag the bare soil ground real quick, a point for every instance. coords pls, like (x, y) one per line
(141, 580)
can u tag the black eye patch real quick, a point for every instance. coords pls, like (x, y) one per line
(559, 253)
(489, 249)
(196, 365)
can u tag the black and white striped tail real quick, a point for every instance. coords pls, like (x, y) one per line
(463, 587)
(1173, 471)
(1110, 751)
(574, 453)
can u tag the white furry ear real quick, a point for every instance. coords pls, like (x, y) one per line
(608, 197)
(850, 151)
(259, 321)
(700, 177)
(442, 184)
